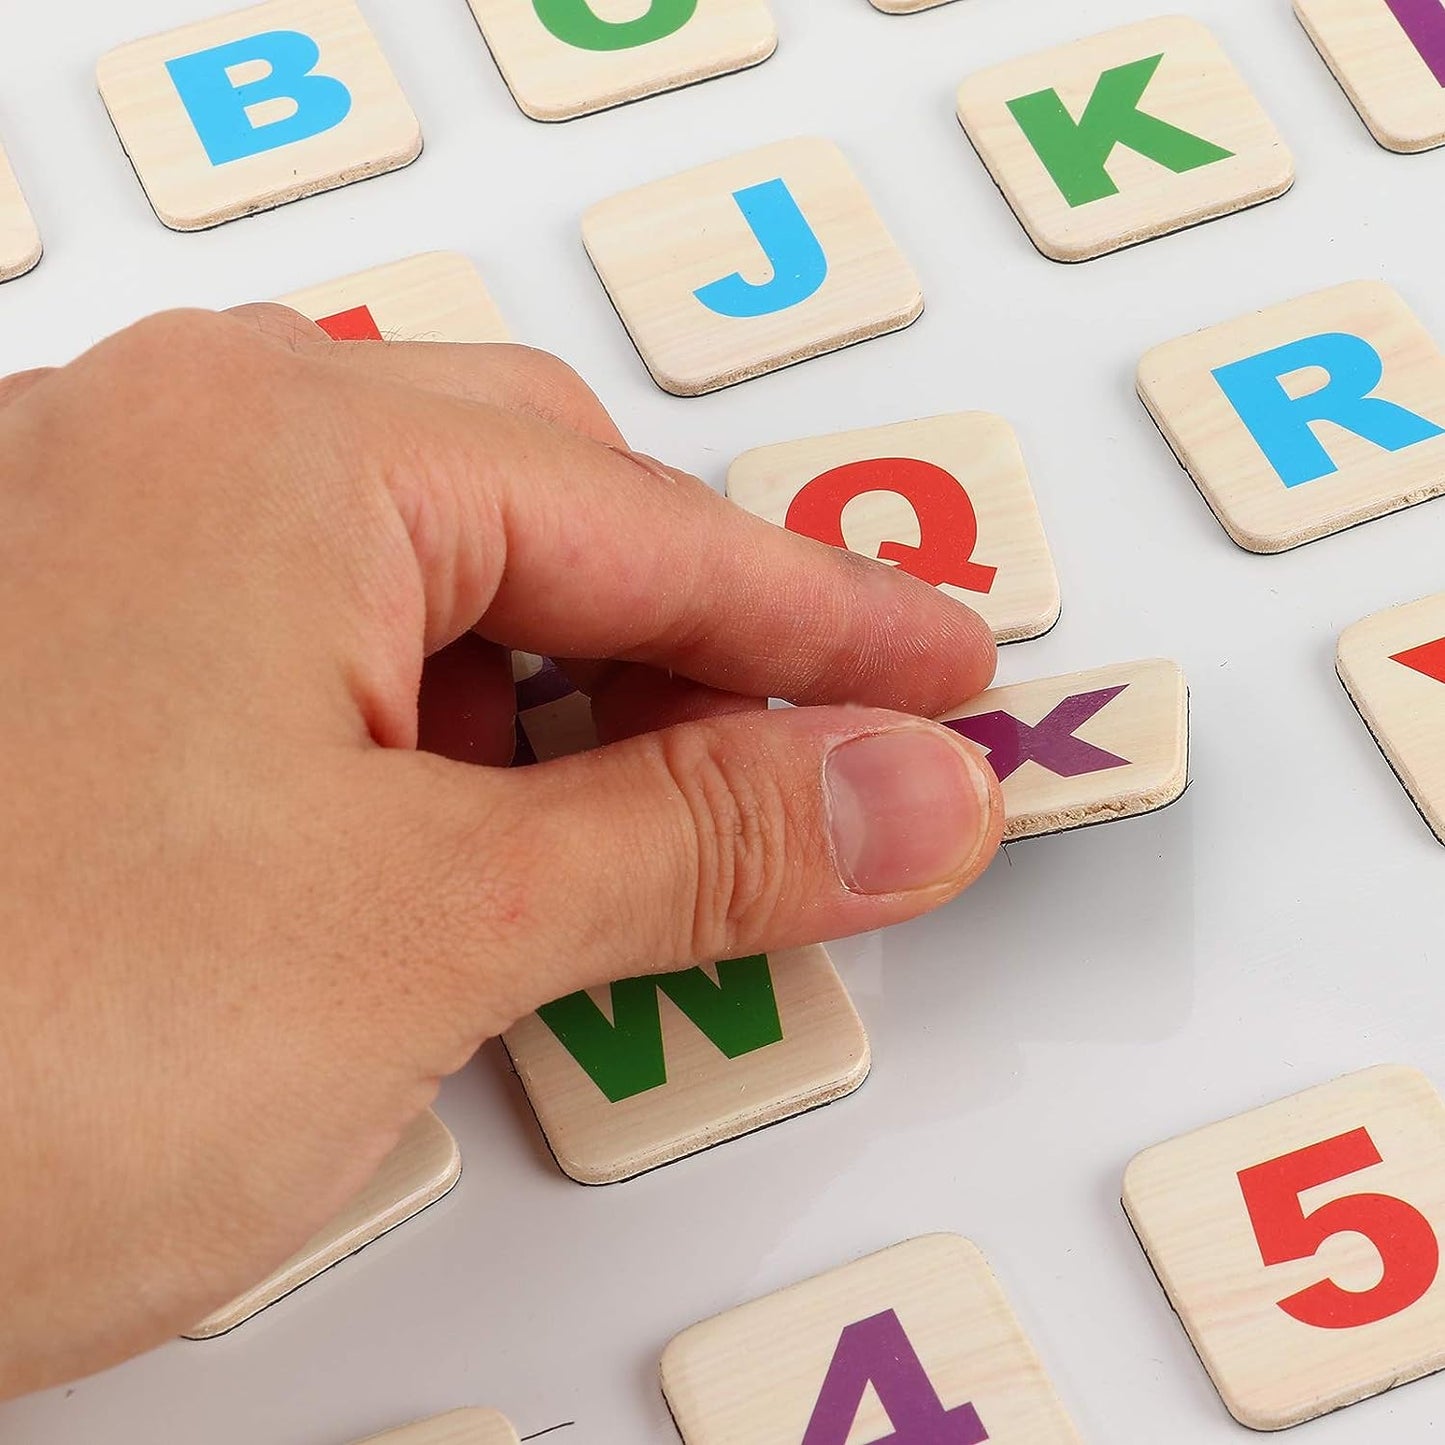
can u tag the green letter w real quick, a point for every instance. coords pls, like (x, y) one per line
(624, 1056)
(1075, 152)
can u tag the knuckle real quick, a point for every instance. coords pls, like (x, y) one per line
(553, 391)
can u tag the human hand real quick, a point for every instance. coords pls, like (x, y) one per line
(245, 926)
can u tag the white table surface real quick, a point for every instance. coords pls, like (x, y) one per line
(1096, 992)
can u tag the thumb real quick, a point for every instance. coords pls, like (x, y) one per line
(714, 839)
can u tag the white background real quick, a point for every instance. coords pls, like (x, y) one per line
(1096, 992)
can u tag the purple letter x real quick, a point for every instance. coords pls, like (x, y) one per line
(1050, 743)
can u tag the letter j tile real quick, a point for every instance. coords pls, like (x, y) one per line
(250, 110)
(749, 264)
(1122, 137)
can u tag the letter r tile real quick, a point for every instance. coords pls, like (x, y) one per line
(1306, 418)
(915, 1343)
(748, 264)
(1124, 136)
(1085, 748)
(250, 110)
(946, 499)
(456, 1427)
(19, 239)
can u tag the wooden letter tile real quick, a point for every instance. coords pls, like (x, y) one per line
(947, 499)
(1122, 137)
(437, 296)
(905, 7)
(1299, 1243)
(19, 238)
(563, 58)
(1389, 55)
(250, 110)
(1242, 406)
(625, 1078)
(749, 264)
(456, 1427)
(1393, 665)
(418, 1172)
(915, 1343)
(1086, 748)
(555, 718)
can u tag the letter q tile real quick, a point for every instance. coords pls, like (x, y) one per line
(251, 110)
(946, 499)
(1299, 1243)
(1124, 136)
(1307, 418)
(915, 1343)
(749, 264)
(456, 1427)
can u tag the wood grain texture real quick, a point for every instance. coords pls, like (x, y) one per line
(1196, 88)
(552, 80)
(1403, 706)
(1385, 77)
(20, 247)
(437, 296)
(978, 449)
(1145, 726)
(456, 1427)
(754, 1374)
(1186, 1204)
(418, 1172)
(653, 247)
(708, 1098)
(380, 133)
(1235, 476)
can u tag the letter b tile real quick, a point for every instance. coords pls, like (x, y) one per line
(1122, 137)
(241, 113)
(1307, 418)
(748, 264)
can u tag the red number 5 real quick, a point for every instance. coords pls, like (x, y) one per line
(1408, 1248)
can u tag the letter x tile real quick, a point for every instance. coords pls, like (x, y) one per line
(915, 1343)
(563, 58)
(1307, 418)
(1085, 748)
(947, 499)
(1389, 55)
(1393, 665)
(1122, 137)
(419, 1171)
(457, 1427)
(19, 239)
(749, 264)
(437, 296)
(250, 110)
(1299, 1244)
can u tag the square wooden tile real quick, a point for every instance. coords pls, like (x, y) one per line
(914, 1343)
(626, 1078)
(1124, 136)
(419, 1171)
(1299, 1243)
(748, 264)
(437, 296)
(1307, 418)
(555, 718)
(456, 1427)
(247, 111)
(1389, 57)
(1085, 748)
(1393, 665)
(19, 239)
(947, 499)
(563, 58)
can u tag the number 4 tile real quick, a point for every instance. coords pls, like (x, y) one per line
(1122, 137)
(914, 1344)
(19, 238)
(946, 499)
(457, 1427)
(1393, 666)
(1298, 1243)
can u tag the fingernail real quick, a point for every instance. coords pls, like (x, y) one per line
(908, 809)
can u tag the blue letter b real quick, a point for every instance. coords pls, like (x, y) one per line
(781, 229)
(218, 106)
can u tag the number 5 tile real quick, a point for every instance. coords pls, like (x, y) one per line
(1299, 1245)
